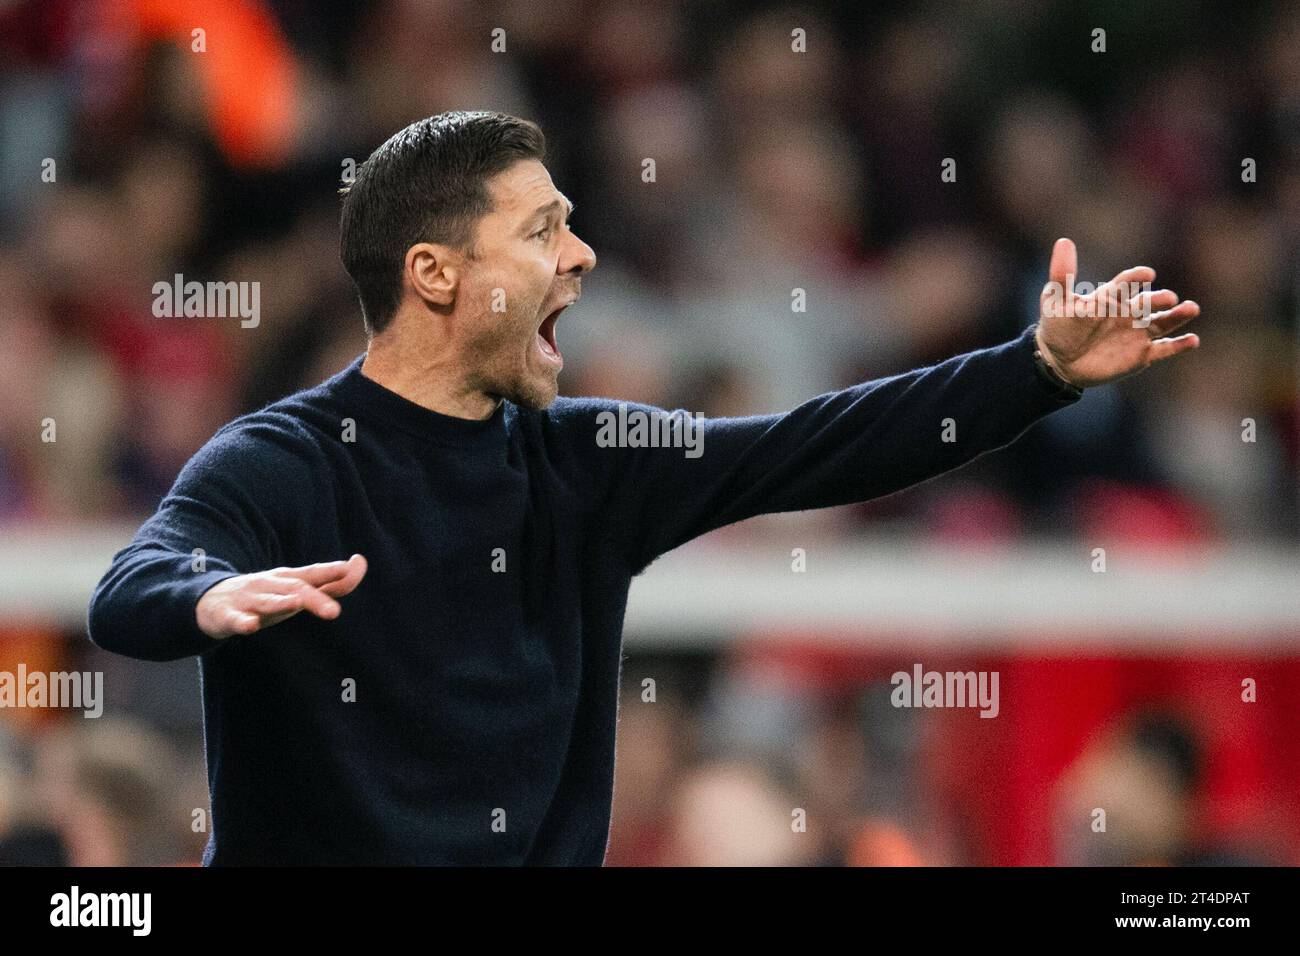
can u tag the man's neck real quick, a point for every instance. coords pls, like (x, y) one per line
(424, 380)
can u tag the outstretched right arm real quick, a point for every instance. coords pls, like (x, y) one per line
(195, 573)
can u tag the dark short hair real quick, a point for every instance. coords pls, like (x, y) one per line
(427, 183)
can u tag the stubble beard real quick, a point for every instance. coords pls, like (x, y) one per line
(502, 366)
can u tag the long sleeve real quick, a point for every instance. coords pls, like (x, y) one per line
(852, 445)
(222, 517)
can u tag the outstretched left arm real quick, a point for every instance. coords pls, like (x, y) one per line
(880, 437)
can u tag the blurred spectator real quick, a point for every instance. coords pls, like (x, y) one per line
(1146, 777)
(733, 813)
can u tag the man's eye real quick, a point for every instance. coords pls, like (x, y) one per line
(542, 233)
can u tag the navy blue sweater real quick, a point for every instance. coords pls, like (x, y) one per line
(482, 729)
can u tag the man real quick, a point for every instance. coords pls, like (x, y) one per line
(462, 708)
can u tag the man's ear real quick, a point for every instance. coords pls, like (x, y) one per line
(434, 272)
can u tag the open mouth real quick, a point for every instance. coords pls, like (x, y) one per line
(546, 343)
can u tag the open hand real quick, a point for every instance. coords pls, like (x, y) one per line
(1114, 331)
(250, 602)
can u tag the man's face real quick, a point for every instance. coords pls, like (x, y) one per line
(528, 268)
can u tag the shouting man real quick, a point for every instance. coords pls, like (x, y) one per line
(448, 693)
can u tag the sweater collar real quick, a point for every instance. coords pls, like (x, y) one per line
(387, 406)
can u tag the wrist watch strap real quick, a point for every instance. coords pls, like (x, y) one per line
(1049, 377)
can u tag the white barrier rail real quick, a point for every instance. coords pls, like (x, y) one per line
(1036, 595)
(702, 594)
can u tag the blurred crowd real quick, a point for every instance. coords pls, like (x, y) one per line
(774, 170)
(786, 757)
(789, 756)
(133, 149)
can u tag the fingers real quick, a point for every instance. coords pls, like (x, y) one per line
(335, 579)
(1133, 277)
(263, 609)
(1165, 322)
(272, 603)
(1146, 304)
(1065, 263)
(307, 598)
(1105, 300)
(318, 602)
(1123, 287)
(1162, 349)
(356, 570)
(317, 574)
(249, 603)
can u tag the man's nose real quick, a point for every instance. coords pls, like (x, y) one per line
(578, 258)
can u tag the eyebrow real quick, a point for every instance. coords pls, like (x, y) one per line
(553, 206)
